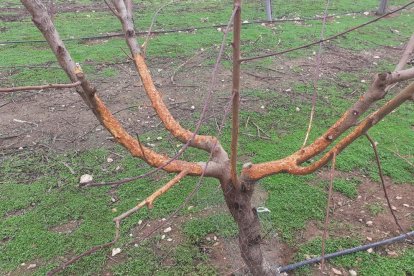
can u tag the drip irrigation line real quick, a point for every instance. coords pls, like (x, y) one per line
(190, 29)
(345, 252)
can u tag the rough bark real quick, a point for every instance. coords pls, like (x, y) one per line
(238, 199)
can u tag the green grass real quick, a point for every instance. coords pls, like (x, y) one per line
(256, 39)
(348, 186)
(32, 185)
(376, 208)
(220, 224)
(187, 260)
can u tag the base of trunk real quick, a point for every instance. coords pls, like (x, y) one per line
(238, 201)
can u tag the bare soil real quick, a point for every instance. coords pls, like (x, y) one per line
(66, 228)
(59, 120)
(352, 217)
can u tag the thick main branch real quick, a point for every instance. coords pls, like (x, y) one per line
(42, 20)
(207, 143)
(291, 164)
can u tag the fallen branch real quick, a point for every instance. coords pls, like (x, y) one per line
(86, 253)
(39, 87)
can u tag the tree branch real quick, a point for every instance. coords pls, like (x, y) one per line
(316, 75)
(328, 210)
(42, 20)
(149, 201)
(381, 175)
(235, 92)
(154, 17)
(291, 163)
(409, 49)
(39, 87)
(109, 121)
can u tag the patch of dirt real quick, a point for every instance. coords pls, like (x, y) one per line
(354, 218)
(4, 240)
(66, 228)
(20, 212)
(28, 268)
(59, 120)
(357, 212)
(225, 255)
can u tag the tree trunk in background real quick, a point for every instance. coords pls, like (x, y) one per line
(268, 4)
(382, 9)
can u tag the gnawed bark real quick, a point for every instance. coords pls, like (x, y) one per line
(291, 163)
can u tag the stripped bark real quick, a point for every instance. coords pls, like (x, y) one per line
(291, 164)
(42, 20)
(184, 135)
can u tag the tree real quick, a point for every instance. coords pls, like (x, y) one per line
(382, 9)
(237, 187)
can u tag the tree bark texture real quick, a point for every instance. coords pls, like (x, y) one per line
(239, 201)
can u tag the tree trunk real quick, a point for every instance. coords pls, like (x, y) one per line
(239, 203)
(382, 9)
(268, 4)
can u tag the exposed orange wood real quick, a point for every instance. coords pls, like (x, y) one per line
(174, 127)
(136, 149)
(291, 164)
(149, 201)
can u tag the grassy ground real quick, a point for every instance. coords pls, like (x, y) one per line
(46, 217)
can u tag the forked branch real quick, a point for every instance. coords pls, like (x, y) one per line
(42, 20)
(184, 135)
(291, 164)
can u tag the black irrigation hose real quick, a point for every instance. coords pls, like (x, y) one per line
(345, 252)
(190, 29)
